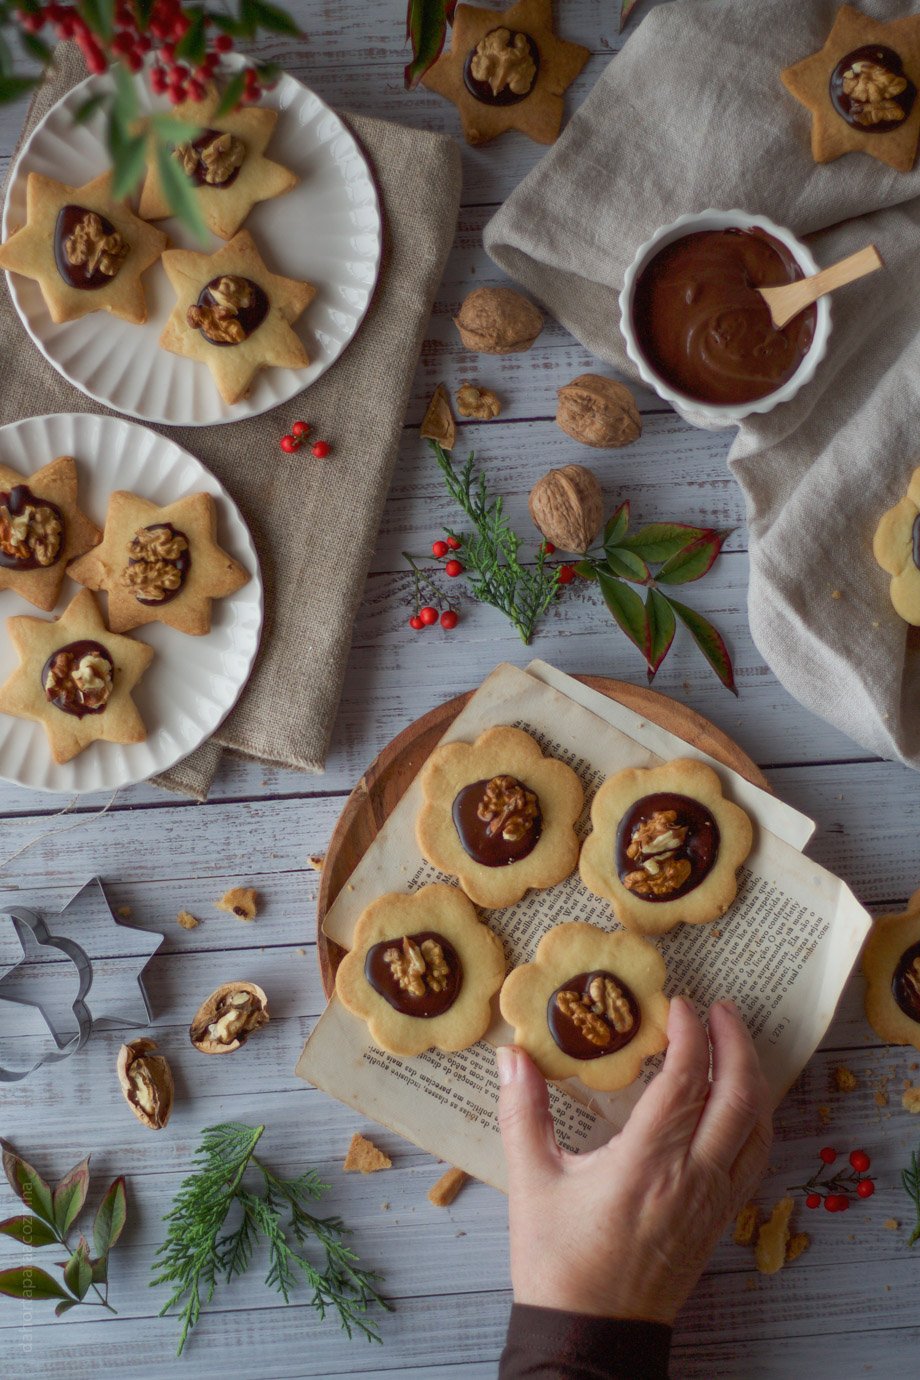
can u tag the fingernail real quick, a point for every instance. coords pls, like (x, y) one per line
(508, 1064)
(730, 1006)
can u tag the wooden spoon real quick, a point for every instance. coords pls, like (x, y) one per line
(786, 302)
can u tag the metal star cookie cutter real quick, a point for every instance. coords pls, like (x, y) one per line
(110, 990)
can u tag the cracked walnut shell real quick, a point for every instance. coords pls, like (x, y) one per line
(599, 412)
(228, 1017)
(568, 507)
(498, 321)
(147, 1082)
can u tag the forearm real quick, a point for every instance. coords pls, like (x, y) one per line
(544, 1343)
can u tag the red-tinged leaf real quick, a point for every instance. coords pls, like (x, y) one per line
(627, 609)
(659, 541)
(100, 1269)
(64, 1307)
(586, 569)
(78, 1273)
(627, 564)
(27, 1184)
(70, 1195)
(110, 1218)
(617, 526)
(661, 625)
(426, 29)
(626, 9)
(693, 562)
(30, 1231)
(709, 640)
(29, 1282)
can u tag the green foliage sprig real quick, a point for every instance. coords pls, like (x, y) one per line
(53, 1211)
(426, 29)
(910, 1178)
(198, 1252)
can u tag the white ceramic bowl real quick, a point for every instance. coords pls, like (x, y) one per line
(709, 413)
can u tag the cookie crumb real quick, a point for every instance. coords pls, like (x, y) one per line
(241, 901)
(880, 1098)
(891, 1224)
(824, 1114)
(443, 1193)
(836, 594)
(845, 1079)
(746, 1224)
(187, 920)
(772, 1239)
(910, 1100)
(125, 912)
(302, 952)
(797, 1245)
(384, 1207)
(364, 1157)
(316, 861)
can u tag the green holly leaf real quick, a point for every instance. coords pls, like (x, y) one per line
(627, 609)
(617, 526)
(29, 1282)
(30, 1231)
(178, 192)
(70, 1195)
(231, 95)
(659, 541)
(693, 561)
(662, 625)
(28, 1185)
(627, 564)
(192, 46)
(110, 1218)
(709, 641)
(426, 29)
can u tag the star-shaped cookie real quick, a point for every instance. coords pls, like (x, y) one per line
(75, 678)
(233, 315)
(160, 564)
(85, 250)
(861, 89)
(506, 69)
(224, 163)
(41, 529)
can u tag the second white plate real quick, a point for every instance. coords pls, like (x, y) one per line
(326, 231)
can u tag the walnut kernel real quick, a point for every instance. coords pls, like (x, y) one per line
(147, 1083)
(598, 412)
(36, 533)
(89, 246)
(568, 507)
(592, 1026)
(498, 321)
(229, 1016)
(481, 403)
(152, 572)
(502, 59)
(871, 89)
(418, 968)
(508, 808)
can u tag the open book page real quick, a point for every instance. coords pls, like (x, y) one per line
(783, 951)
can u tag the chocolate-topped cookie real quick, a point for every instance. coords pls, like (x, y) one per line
(891, 964)
(665, 846)
(896, 547)
(499, 816)
(41, 529)
(422, 971)
(590, 1005)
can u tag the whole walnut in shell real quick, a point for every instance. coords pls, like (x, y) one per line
(498, 321)
(598, 412)
(568, 507)
(228, 1017)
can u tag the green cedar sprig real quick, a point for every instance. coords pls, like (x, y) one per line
(198, 1252)
(490, 553)
(52, 1214)
(910, 1178)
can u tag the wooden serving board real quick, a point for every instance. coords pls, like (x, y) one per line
(395, 768)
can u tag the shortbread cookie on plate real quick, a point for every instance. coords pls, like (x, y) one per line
(224, 163)
(85, 250)
(75, 678)
(41, 529)
(891, 964)
(233, 315)
(590, 1005)
(422, 971)
(665, 846)
(499, 816)
(160, 565)
(896, 547)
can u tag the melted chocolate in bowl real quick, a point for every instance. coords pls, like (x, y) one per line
(569, 1033)
(482, 839)
(16, 500)
(700, 847)
(703, 326)
(849, 109)
(905, 982)
(384, 981)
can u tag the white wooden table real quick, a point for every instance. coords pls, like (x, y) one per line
(849, 1306)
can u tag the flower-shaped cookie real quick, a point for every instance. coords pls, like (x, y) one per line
(422, 971)
(499, 816)
(590, 1005)
(896, 547)
(891, 964)
(665, 846)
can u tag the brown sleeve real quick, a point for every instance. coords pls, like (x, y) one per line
(547, 1344)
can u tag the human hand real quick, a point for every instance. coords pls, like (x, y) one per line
(626, 1230)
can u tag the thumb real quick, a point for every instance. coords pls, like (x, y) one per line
(524, 1118)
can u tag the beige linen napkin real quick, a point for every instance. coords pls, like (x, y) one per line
(692, 114)
(313, 523)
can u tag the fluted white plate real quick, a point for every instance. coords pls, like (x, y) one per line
(326, 231)
(193, 682)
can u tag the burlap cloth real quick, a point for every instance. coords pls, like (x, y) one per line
(314, 524)
(692, 114)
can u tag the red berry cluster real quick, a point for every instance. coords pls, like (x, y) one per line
(296, 437)
(164, 30)
(425, 616)
(566, 572)
(440, 549)
(835, 1191)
